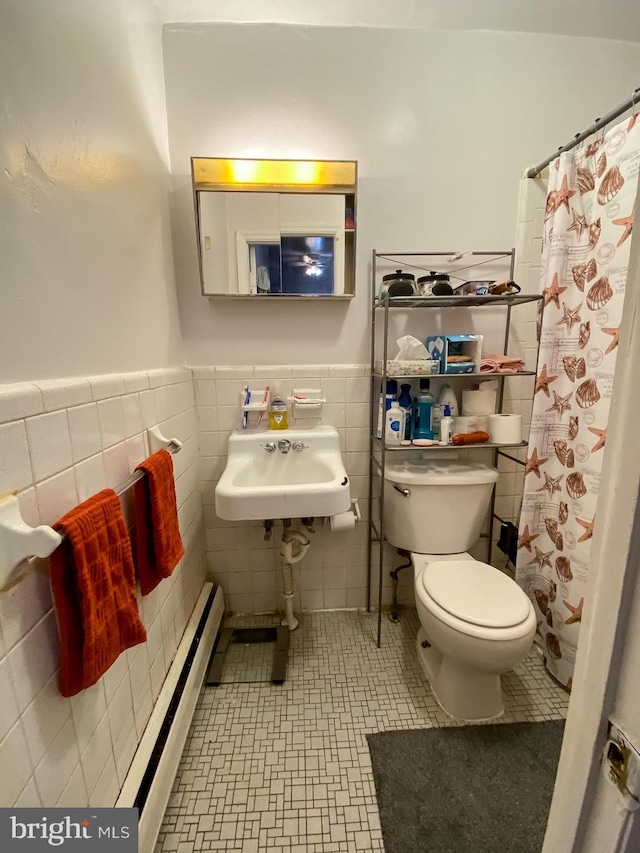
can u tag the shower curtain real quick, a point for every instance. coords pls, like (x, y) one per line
(585, 256)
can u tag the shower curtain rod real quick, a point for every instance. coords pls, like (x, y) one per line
(580, 137)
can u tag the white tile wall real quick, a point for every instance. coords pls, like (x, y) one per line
(333, 574)
(60, 442)
(519, 391)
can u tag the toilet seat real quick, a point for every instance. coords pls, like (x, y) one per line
(512, 591)
(476, 592)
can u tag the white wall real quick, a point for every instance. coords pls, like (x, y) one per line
(616, 19)
(87, 271)
(442, 123)
(87, 287)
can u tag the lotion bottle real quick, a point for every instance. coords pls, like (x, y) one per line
(445, 426)
(386, 401)
(447, 397)
(394, 425)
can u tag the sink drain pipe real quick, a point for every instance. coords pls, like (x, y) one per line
(294, 546)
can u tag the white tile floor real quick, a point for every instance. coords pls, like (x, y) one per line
(287, 768)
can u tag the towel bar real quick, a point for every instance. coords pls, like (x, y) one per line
(157, 441)
(19, 541)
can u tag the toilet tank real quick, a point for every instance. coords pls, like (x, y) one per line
(446, 504)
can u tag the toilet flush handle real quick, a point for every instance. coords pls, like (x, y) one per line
(404, 492)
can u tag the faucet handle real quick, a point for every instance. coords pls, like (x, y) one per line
(269, 447)
(299, 446)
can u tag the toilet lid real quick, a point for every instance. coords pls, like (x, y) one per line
(476, 592)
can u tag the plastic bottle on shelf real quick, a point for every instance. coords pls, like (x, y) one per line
(447, 397)
(445, 425)
(278, 414)
(386, 401)
(394, 424)
(405, 401)
(422, 409)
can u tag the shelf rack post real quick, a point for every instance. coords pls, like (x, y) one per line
(496, 452)
(372, 426)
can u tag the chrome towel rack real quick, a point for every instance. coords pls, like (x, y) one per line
(19, 541)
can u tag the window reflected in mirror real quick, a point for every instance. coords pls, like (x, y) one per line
(290, 238)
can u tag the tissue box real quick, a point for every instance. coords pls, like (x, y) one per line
(456, 353)
(419, 367)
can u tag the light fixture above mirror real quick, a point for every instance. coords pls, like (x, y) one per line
(281, 229)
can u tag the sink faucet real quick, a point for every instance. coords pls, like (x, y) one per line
(269, 447)
(284, 445)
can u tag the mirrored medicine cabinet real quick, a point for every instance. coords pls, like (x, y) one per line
(275, 229)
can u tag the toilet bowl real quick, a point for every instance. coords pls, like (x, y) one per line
(476, 622)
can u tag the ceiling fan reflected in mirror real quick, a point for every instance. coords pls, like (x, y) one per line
(313, 254)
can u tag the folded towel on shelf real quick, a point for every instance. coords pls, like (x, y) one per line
(93, 584)
(497, 363)
(158, 543)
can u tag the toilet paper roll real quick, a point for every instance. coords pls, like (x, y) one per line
(343, 521)
(479, 402)
(505, 429)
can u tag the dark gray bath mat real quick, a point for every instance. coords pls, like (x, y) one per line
(473, 789)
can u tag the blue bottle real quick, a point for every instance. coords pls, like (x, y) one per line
(422, 408)
(405, 402)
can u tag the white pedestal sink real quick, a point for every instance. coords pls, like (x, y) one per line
(292, 473)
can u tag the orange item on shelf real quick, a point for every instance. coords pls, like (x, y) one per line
(478, 437)
(93, 584)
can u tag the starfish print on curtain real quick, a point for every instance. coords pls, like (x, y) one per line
(588, 232)
(533, 464)
(543, 380)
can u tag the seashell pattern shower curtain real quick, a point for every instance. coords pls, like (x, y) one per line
(585, 257)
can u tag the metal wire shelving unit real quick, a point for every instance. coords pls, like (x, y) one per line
(383, 308)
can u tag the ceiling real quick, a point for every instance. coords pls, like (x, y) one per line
(608, 19)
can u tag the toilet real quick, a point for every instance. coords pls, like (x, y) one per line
(476, 622)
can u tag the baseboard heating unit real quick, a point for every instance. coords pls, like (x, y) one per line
(153, 770)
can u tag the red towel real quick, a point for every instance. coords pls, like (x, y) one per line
(93, 583)
(158, 542)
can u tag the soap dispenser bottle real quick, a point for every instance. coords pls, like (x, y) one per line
(422, 408)
(445, 425)
(447, 397)
(278, 414)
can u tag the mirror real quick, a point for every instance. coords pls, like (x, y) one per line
(275, 228)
